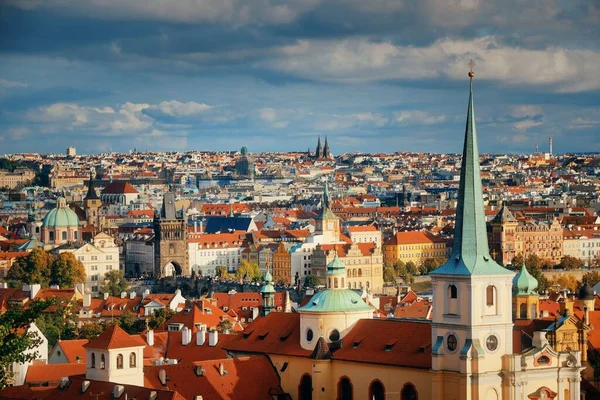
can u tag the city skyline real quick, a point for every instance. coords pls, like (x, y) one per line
(378, 77)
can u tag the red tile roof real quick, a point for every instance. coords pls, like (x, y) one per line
(202, 312)
(277, 333)
(115, 338)
(119, 187)
(246, 378)
(73, 349)
(193, 352)
(388, 341)
(41, 373)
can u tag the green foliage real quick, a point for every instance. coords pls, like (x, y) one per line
(221, 271)
(158, 319)
(32, 268)
(570, 263)
(411, 268)
(532, 260)
(249, 271)
(114, 283)
(409, 279)
(591, 278)
(15, 344)
(400, 268)
(311, 281)
(66, 270)
(431, 263)
(224, 326)
(91, 330)
(389, 274)
(543, 282)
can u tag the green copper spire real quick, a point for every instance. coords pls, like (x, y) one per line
(524, 283)
(470, 251)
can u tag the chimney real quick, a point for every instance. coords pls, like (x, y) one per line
(3, 285)
(132, 295)
(54, 287)
(87, 300)
(221, 369)
(34, 289)
(80, 287)
(213, 338)
(178, 292)
(150, 337)
(123, 295)
(200, 337)
(162, 377)
(185, 336)
(195, 226)
(146, 293)
(539, 339)
(118, 391)
(105, 295)
(84, 386)
(64, 382)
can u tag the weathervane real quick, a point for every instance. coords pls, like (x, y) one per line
(471, 64)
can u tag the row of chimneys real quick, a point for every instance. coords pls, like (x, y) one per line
(117, 392)
(186, 337)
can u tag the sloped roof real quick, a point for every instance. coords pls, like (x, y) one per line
(41, 373)
(119, 187)
(73, 349)
(115, 337)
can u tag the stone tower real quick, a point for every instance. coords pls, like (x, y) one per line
(503, 236)
(171, 255)
(319, 149)
(92, 204)
(326, 150)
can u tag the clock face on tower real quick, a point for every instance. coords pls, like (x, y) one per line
(330, 225)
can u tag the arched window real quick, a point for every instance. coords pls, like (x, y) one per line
(453, 291)
(119, 361)
(523, 310)
(75, 235)
(51, 235)
(376, 391)
(334, 336)
(93, 360)
(335, 282)
(132, 360)
(344, 389)
(409, 392)
(360, 272)
(490, 296)
(64, 235)
(102, 362)
(305, 388)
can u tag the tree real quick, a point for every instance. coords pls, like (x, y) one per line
(32, 268)
(570, 262)
(547, 264)
(114, 283)
(409, 279)
(249, 271)
(127, 321)
(400, 268)
(565, 281)
(17, 346)
(224, 326)
(221, 271)
(66, 270)
(311, 281)
(543, 283)
(389, 274)
(591, 278)
(160, 316)
(432, 263)
(411, 268)
(90, 330)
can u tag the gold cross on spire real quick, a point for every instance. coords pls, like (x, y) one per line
(471, 64)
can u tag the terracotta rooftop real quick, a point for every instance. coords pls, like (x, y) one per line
(119, 187)
(52, 373)
(73, 349)
(115, 337)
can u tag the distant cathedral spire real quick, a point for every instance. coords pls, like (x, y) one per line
(319, 150)
(326, 151)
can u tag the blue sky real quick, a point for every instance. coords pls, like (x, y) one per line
(377, 75)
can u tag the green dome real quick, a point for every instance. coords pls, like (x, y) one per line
(340, 300)
(268, 285)
(61, 216)
(524, 283)
(336, 266)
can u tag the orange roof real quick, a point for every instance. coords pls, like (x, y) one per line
(238, 301)
(202, 312)
(388, 341)
(115, 337)
(277, 333)
(73, 349)
(119, 187)
(246, 378)
(413, 237)
(192, 352)
(362, 228)
(41, 373)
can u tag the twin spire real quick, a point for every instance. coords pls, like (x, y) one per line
(470, 251)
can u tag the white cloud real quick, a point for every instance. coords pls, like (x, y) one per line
(526, 124)
(8, 84)
(418, 117)
(526, 110)
(267, 114)
(176, 108)
(584, 123)
(361, 59)
(331, 122)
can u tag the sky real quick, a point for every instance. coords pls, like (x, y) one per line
(273, 75)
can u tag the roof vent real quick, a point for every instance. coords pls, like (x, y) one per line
(64, 382)
(199, 370)
(118, 390)
(153, 395)
(162, 377)
(84, 386)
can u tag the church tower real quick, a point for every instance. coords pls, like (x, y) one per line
(327, 223)
(92, 204)
(171, 256)
(267, 293)
(472, 327)
(326, 150)
(318, 150)
(525, 298)
(503, 239)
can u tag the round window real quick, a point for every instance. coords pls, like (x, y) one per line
(334, 336)
(491, 343)
(451, 342)
(309, 335)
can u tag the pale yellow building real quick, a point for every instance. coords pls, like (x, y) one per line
(415, 246)
(19, 177)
